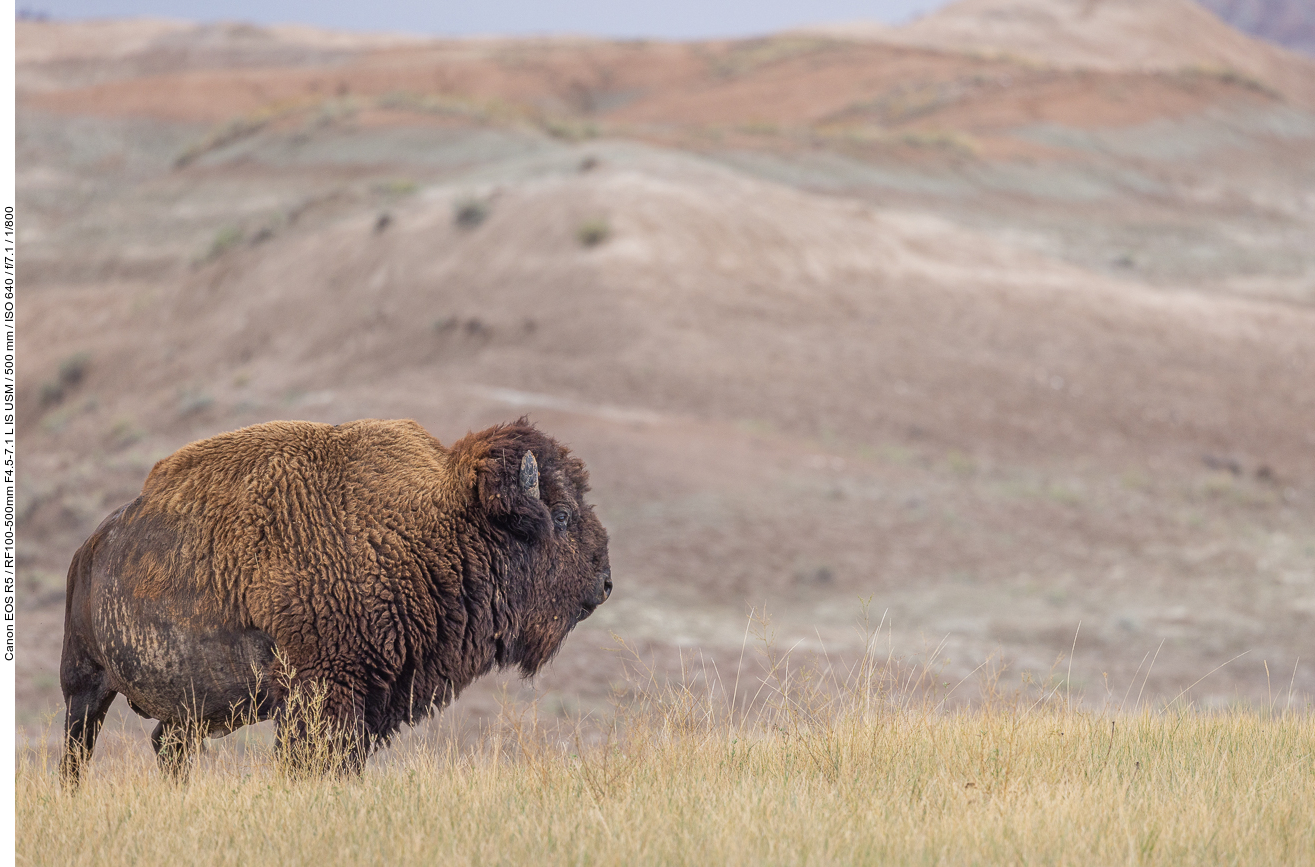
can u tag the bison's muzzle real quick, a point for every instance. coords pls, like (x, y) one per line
(601, 591)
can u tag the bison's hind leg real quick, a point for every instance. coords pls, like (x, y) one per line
(87, 698)
(176, 744)
(86, 714)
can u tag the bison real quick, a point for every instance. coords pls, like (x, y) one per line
(365, 559)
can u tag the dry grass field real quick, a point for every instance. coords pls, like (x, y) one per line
(802, 765)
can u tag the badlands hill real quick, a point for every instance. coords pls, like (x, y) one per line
(1002, 341)
(1109, 35)
(1290, 23)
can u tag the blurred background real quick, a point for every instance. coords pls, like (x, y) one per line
(995, 319)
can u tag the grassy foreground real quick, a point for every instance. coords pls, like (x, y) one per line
(803, 767)
(985, 786)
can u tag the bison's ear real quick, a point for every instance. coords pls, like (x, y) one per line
(509, 493)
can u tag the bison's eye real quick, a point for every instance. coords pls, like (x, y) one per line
(561, 517)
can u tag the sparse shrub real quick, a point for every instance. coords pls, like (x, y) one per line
(1228, 75)
(960, 463)
(74, 368)
(192, 401)
(475, 327)
(51, 393)
(124, 432)
(470, 212)
(225, 239)
(55, 421)
(72, 371)
(945, 140)
(569, 130)
(471, 327)
(397, 187)
(485, 111)
(820, 575)
(593, 232)
(1064, 493)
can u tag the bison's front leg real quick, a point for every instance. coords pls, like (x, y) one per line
(176, 744)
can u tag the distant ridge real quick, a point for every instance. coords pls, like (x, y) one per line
(42, 41)
(1109, 35)
(51, 55)
(1290, 23)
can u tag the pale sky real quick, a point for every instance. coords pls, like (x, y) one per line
(669, 19)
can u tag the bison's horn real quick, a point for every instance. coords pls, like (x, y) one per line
(530, 475)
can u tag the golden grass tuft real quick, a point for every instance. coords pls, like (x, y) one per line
(794, 765)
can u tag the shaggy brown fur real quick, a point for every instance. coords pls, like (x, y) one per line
(366, 558)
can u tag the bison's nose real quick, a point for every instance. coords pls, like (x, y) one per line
(602, 590)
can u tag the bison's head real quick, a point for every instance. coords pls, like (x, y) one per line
(531, 490)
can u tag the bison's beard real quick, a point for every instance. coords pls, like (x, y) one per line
(538, 644)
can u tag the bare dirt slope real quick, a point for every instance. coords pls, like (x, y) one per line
(1003, 348)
